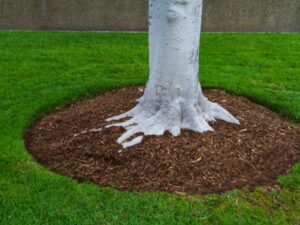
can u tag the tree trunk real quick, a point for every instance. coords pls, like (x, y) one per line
(173, 98)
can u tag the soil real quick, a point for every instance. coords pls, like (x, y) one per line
(263, 147)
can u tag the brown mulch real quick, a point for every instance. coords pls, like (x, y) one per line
(264, 146)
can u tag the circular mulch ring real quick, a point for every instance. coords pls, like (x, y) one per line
(264, 146)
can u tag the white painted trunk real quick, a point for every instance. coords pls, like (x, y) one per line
(173, 98)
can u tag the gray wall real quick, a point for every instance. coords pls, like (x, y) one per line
(219, 15)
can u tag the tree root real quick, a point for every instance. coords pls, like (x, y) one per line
(151, 119)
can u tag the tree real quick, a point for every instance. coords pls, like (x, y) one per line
(173, 98)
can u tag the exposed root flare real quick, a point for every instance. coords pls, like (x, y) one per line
(148, 119)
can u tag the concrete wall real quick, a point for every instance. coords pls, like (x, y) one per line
(219, 15)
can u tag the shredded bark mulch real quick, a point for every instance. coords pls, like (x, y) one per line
(264, 146)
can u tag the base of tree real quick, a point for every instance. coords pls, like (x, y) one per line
(155, 119)
(74, 142)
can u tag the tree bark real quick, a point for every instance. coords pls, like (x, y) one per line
(173, 98)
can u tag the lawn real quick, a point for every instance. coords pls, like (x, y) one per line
(40, 71)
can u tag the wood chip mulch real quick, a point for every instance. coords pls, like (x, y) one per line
(263, 147)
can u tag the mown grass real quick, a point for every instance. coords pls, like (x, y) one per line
(42, 70)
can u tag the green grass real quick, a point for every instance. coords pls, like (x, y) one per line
(42, 70)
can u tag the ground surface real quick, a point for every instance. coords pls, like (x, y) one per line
(41, 71)
(254, 153)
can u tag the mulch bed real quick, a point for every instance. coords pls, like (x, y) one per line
(264, 146)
